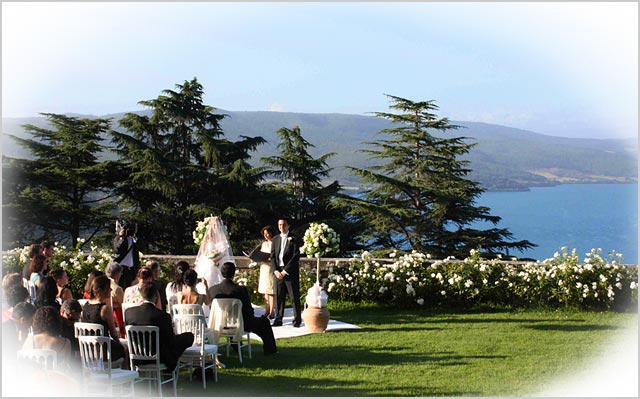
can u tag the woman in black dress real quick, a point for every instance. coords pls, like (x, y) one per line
(98, 310)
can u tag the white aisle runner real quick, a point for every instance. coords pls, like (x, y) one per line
(287, 330)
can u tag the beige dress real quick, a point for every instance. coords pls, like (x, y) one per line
(267, 282)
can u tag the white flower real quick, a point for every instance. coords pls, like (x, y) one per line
(410, 290)
(443, 293)
(633, 285)
(420, 301)
(468, 283)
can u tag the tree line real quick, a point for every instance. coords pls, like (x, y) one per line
(176, 167)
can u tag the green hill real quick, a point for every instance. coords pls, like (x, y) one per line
(504, 158)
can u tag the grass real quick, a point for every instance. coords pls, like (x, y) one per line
(422, 353)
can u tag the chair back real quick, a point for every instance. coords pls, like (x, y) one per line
(226, 318)
(82, 329)
(44, 358)
(143, 343)
(193, 323)
(95, 354)
(186, 309)
(31, 287)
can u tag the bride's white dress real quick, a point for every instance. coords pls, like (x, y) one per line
(214, 251)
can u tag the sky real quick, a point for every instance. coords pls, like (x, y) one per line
(562, 69)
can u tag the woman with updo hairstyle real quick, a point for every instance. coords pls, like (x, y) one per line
(174, 287)
(132, 294)
(98, 310)
(62, 279)
(47, 328)
(189, 294)
(87, 286)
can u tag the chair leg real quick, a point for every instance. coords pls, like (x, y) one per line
(159, 383)
(175, 383)
(249, 345)
(204, 375)
(240, 350)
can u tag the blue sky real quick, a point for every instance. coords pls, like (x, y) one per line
(568, 69)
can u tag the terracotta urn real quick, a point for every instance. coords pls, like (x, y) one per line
(315, 319)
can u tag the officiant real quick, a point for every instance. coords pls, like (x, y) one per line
(267, 282)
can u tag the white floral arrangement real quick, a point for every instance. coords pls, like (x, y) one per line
(201, 229)
(319, 240)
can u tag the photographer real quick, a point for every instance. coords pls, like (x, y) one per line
(128, 254)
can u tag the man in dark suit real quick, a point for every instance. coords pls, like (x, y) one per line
(172, 346)
(285, 257)
(258, 325)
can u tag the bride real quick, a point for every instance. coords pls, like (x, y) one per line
(214, 251)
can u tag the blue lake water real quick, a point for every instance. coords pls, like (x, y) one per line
(581, 216)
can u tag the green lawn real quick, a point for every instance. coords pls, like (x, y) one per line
(419, 353)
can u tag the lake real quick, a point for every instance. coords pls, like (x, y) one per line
(581, 216)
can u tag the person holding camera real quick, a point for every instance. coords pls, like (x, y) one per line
(128, 254)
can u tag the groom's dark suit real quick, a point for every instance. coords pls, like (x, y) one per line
(290, 284)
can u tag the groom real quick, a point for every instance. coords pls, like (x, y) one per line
(285, 254)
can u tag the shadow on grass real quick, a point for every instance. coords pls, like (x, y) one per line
(236, 386)
(570, 328)
(356, 361)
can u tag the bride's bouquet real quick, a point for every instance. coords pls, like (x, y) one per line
(201, 230)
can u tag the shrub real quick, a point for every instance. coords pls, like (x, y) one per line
(413, 279)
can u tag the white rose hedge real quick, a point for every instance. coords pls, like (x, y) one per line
(414, 280)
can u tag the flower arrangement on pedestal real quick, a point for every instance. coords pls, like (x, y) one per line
(319, 239)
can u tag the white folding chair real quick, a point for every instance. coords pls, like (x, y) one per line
(97, 369)
(42, 358)
(226, 321)
(31, 287)
(144, 345)
(86, 329)
(196, 324)
(182, 308)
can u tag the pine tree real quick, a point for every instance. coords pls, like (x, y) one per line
(63, 191)
(421, 198)
(180, 168)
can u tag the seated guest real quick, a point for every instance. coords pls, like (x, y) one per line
(155, 271)
(47, 293)
(62, 279)
(132, 294)
(98, 310)
(16, 330)
(37, 265)
(10, 280)
(174, 287)
(47, 328)
(70, 312)
(114, 271)
(258, 325)
(14, 295)
(171, 345)
(34, 249)
(189, 294)
(87, 286)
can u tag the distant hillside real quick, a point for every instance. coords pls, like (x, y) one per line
(503, 159)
